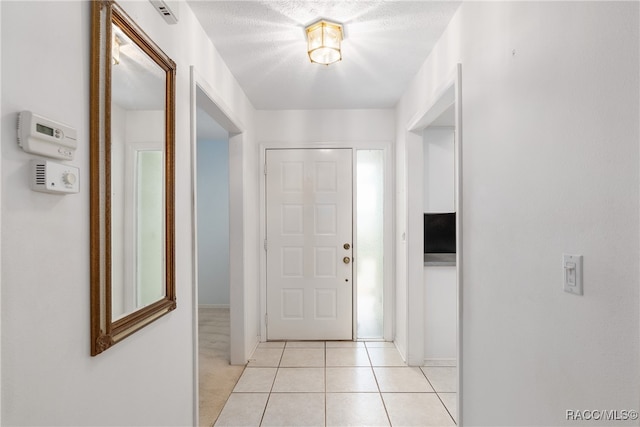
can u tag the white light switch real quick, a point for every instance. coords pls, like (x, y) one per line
(572, 270)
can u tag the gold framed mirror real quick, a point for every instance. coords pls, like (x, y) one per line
(132, 178)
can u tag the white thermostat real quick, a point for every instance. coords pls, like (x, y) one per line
(52, 177)
(39, 135)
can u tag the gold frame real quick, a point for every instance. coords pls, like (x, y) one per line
(105, 332)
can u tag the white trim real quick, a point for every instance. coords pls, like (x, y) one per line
(130, 221)
(354, 246)
(214, 305)
(440, 362)
(389, 246)
(225, 117)
(194, 245)
(389, 203)
(0, 222)
(458, 145)
(449, 93)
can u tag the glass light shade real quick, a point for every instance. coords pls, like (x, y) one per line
(323, 41)
(115, 49)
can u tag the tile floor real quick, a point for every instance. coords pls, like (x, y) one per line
(339, 384)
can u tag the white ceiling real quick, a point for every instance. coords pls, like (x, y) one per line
(263, 43)
(446, 119)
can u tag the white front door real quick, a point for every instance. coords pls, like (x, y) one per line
(309, 244)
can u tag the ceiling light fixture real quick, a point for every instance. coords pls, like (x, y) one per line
(115, 49)
(323, 42)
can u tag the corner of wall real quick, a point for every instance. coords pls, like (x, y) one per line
(0, 219)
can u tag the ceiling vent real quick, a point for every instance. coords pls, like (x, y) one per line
(168, 9)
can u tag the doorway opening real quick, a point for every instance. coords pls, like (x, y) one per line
(219, 345)
(212, 210)
(436, 319)
(215, 372)
(368, 247)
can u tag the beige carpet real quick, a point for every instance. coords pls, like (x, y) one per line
(216, 376)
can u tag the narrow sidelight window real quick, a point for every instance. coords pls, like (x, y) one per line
(370, 243)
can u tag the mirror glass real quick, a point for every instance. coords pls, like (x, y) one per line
(132, 146)
(137, 177)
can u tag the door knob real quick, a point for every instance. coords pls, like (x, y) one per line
(346, 260)
(346, 246)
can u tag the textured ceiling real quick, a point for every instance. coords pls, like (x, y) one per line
(263, 44)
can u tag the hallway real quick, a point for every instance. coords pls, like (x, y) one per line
(341, 383)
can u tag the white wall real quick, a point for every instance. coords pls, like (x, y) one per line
(401, 259)
(295, 127)
(118, 149)
(439, 170)
(213, 222)
(550, 166)
(48, 377)
(440, 315)
(1, 234)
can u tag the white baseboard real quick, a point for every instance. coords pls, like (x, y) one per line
(213, 305)
(440, 362)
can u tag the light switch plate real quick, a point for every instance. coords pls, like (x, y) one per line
(572, 274)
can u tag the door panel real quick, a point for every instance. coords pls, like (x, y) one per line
(309, 219)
